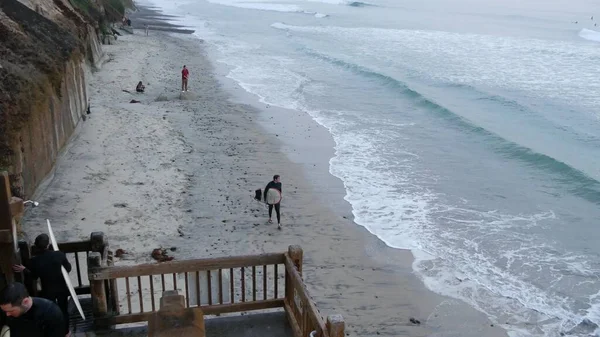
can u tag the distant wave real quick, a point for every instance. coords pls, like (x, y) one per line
(260, 6)
(267, 6)
(316, 14)
(359, 4)
(345, 3)
(589, 34)
(576, 182)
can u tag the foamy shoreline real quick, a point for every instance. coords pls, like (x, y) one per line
(186, 170)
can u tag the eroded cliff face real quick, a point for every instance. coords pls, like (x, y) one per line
(46, 49)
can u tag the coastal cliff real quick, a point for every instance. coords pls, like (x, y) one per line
(47, 48)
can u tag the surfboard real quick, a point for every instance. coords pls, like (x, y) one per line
(65, 273)
(5, 332)
(273, 196)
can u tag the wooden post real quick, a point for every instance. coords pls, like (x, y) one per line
(113, 293)
(171, 299)
(174, 319)
(99, 304)
(7, 231)
(335, 326)
(98, 242)
(295, 252)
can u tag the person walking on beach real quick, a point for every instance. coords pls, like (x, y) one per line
(185, 73)
(30, 316)
(273, 199)
(47, 266)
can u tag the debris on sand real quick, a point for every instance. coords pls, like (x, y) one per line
(120, 252)
(160, 255)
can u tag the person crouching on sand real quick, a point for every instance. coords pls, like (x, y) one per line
(185, 73)
(140, 87)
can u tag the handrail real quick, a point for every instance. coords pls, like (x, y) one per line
(306, 302)
(108, 272)
(75, 246)
(204, 284)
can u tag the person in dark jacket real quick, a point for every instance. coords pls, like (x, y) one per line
(276, 184)
(30, 316)
(47, 267)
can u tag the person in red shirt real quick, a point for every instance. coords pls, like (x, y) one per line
(185, 73)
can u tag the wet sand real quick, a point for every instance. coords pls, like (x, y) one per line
(180, 171)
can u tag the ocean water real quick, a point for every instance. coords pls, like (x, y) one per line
(466, 131)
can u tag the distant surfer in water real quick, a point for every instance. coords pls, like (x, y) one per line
(273, 198)
(185, 73)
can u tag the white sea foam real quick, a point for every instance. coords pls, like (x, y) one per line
(344, 2)
(490, 274)
(265, 6)
(479, 60)
(333, 2)
(482, 257)
(175, 7)
(589, 34)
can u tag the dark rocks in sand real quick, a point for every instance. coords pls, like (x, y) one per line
(120, 205)
(414, 321)
(134, 101)
(120, 252)
(160, 255)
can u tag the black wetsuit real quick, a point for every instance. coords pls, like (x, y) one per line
(46, 266)
(43, 319)
(276, 186)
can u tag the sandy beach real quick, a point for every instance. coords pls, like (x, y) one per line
(180, 171)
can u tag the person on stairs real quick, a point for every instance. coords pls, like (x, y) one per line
(46, 266)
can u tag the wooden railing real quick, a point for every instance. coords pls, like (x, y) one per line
(78, 252)
(216, 285)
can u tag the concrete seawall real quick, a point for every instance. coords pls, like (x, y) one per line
(43, 98)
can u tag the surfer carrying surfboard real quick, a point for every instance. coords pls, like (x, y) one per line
(273, 198)
(47, 266)
(30, 316)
